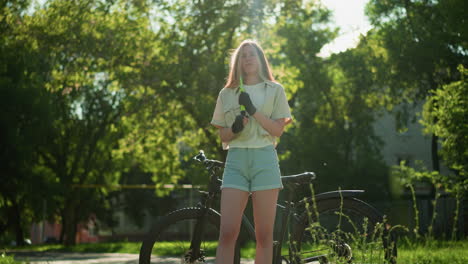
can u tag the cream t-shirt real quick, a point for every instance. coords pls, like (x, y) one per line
(268, 97)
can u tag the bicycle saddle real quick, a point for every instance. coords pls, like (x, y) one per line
(305, 177)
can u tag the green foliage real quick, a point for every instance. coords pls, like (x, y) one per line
(408, 177)
(95, 53)
(108, 92)
(446, 115)
(424, 43)
(365, 239)
(85, 67)
(334, 109)
(123, 91)
(4, 259)
(24, 118)
(136, 203)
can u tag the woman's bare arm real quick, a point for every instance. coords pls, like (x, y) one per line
(226, 134)
(273, 127)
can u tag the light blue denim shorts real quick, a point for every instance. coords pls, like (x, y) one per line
(252, 169)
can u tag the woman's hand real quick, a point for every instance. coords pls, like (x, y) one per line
(244, 99)
(227, 133)
(239, 124)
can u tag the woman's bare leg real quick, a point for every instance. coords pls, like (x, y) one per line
(264, 211)
(233, 203)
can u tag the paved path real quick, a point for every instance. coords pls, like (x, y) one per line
(93, 258)
(75, 258)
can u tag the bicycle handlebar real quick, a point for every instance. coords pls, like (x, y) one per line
(200, 157)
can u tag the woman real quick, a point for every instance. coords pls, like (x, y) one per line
(251, 163)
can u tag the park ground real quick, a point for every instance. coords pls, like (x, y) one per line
(440, 252)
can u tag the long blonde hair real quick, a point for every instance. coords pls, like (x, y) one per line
(235, 70)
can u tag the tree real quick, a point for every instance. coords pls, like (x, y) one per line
(445, 115)
(332, 102)
(117, 48)
(90, 62)
(25, 115)
(425, 41)
(301, 33)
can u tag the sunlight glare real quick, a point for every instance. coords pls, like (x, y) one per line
(349, 16)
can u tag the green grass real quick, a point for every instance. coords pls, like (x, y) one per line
(178, 248)
(440, 252)
(105, 247)
(4, 259)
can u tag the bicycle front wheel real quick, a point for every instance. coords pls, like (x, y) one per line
(169, 241)
(342, 231)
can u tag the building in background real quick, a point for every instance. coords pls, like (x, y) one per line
(406, 142)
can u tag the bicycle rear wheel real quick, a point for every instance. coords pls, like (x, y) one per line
(342, 231)
(169, 240)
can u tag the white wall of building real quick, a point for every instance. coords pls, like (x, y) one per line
(411, 145)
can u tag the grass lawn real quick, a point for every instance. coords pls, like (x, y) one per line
(440, 252)
(110, 247)
(4, 259)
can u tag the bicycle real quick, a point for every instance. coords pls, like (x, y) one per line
(315, 229)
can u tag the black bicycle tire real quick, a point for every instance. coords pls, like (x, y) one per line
(172, 218)
(348, 203)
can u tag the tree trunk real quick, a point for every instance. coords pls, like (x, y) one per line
(62, 230)
(435, 156)
(6, 222)
(69, 228)
(17, 224)
(435, 167)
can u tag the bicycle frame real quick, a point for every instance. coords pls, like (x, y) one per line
(295, 218)
(289, 210)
